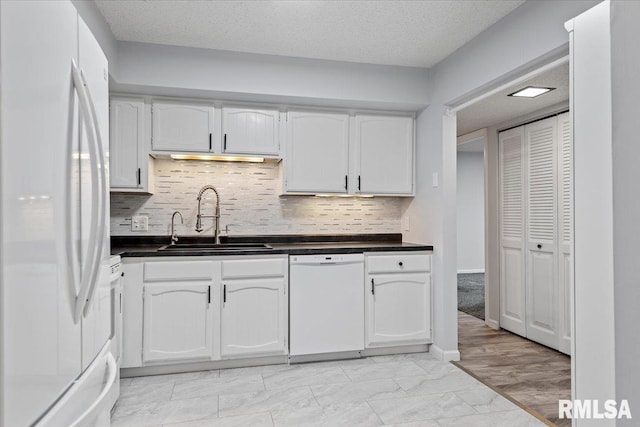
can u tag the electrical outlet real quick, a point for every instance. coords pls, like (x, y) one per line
(140, 223)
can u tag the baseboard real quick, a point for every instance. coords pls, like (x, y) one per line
(473, 270)
(444, 355)
(492, 323)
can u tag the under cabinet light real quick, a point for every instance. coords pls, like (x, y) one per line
(367, 196)
(531, 91)
(214, 158)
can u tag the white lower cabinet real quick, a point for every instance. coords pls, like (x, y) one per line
(254, 307)
(254, 317)
(177, 321)
(175, 310)
(398, 305)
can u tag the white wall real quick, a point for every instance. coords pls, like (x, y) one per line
(169, 70)
(593, 211)
(531, 35)
(470, 204)
(625, 59)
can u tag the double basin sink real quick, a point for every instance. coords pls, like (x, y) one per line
(213, 247)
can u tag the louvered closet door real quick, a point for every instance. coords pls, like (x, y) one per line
(541, 282)
(512, 277)
(565, 202)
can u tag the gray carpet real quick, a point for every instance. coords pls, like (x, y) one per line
(471, 294)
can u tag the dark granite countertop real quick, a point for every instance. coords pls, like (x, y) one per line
(148, 246)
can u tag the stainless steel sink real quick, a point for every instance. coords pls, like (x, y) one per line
(204, 247)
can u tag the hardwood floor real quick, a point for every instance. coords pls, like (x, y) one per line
(532, 375)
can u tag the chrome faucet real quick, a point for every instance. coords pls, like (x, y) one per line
(199, 216)
(174, 236)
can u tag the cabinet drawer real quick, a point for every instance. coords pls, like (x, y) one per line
(177, 270)
(240, 269)
(398, 263)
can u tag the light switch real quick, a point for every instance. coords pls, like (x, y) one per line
(406, 223)
(140, 223)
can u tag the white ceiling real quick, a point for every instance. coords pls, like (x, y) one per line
(392, 32)
(500, 108)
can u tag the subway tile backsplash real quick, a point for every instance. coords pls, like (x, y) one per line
(250, 203)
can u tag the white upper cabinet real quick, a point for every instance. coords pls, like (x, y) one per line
(246, 131)
(179, 127)
(384, 160)
(317, 157)
(128, 154)
(328, 153)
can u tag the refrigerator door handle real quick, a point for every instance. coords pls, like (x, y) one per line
(96, 406)
(87, 269)
(70, 246)
(102, 186)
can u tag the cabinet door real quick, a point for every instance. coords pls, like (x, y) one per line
(177, 321)
(541, 278)
(250, 131)
(398, 309)
(254, 317)
(127, 133)
(182, 127)
(385, 160)
(317, 158)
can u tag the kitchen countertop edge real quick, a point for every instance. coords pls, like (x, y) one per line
(289, 248)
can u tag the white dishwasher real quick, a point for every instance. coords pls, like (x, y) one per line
(326, 304)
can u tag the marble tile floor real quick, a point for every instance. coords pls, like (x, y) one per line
(411, 390)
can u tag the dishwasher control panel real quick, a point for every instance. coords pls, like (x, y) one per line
(326, 259)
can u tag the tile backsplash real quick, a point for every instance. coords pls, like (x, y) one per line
(250, 203)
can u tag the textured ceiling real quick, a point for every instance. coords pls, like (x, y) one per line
(500, 108)
(392, 32)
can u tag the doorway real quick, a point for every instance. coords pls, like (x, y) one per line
(470, 201)
(530, 374)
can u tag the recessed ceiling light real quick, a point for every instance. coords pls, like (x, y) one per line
(531, 91)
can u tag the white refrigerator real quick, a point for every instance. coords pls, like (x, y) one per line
(56, 368)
